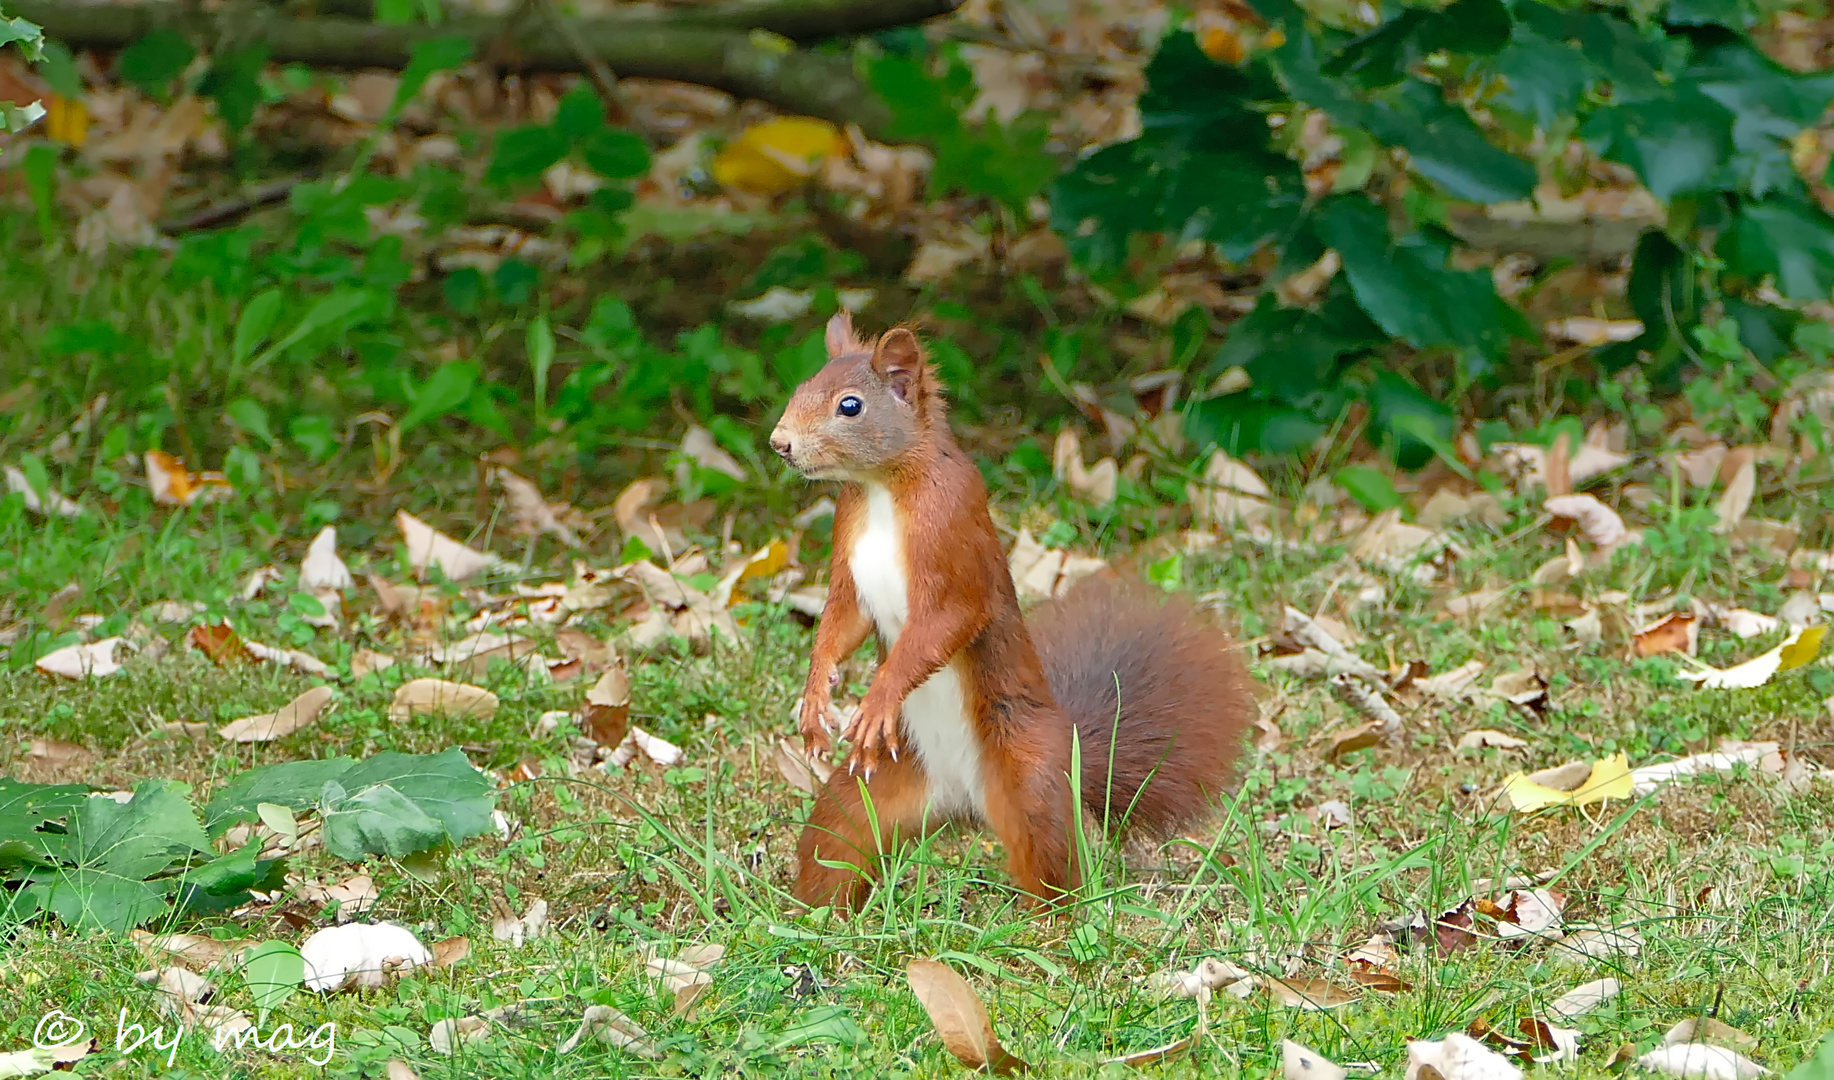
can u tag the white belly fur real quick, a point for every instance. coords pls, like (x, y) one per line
(936, 721)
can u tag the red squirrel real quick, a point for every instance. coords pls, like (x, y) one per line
(971, 713)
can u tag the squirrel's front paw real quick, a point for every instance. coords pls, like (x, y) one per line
(874, 734)
(812, 724)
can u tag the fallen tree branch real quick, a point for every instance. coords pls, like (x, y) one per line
(711, 46)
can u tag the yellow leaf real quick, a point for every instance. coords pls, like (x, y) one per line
(67, 120)
(767, 561)
(777, 155)
(1804, 649)
(1610, 779)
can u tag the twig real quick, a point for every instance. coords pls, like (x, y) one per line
(598, 72)
(234, 209)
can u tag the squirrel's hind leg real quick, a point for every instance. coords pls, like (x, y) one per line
(843, 829)
(1031, 808)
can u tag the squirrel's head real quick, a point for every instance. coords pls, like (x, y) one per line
(867, 409)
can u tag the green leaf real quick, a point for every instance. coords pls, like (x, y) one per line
(1006, 162)
(1414, 425)
(541, 357)
(396, 804)
(40, 168)
(292, 784)
(1663, 291)
(1409, 290)
(155, 60)
(425, 59)
(36, 476)
(378, 821)
(615, 154)
(1371, 488)
(247, 414)
(825, 1023)
(1384, 55)
(580, 113)
(26, 35)
(242, 467)
(337, 312)
(1677, 144)
(32, 817)
(1292, 355)
(314, 435)
(259, 317)
(59, 69)
(1732, 14)
(138, 838)
(1544, 80)
(234, 83)
(522, 154)
(1446, 146)
(272, 970)
(445, 392)
(1790, 239)
(88, 899)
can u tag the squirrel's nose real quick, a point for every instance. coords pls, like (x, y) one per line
(781, 443)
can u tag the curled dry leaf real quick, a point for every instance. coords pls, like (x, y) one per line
(366, 661)
(1735, 502)
(1392, 543)
(1598, 523)
(1706, 1029)
(1210, 974)
(640, 742)
(353, 896)
(700, 447)
(1531, 462)
(960, 1019)
(1691, 1060)
(302, 662)
(1040, 573)
(1677, 632)
(437, 696)
(804, 773)
(1649, 777)
(174, 485)
(1097, 484)
(1457, 1057)
(1231, 495)
(93, 660)
(18, 484)
(607, 1025)
(1451, 685)
(428, 547)
(1302, 1063)
(606, 714)
(765, 563)
(1305, 630)
(363, 953)
(192, 950)
(1606, 779)
(1747, 624)
(179, 985)
(1583, 999)
(445, 1036)
(689, 968)
(1802, 647)
(1597, 943)
(300, 712)
(322, 569)
(450, 951)
(533, 514)
(518, 930)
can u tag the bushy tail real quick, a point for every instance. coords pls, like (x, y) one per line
(1155, 688)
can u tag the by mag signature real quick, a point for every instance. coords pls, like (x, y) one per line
(58, 1028)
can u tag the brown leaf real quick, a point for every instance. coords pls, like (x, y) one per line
(1309, 994)
(1678, 632)
(450, 951)
(1735, 501)
(1381, 982)
(302, 711)
(55, 752)
(1559, 467)
(959, 1017)
(687, 998)
(1350, 740)
(1452, 931)
(804, 773)
(1303, 1063)
(606, 714)
(219, 642)
(437, 696)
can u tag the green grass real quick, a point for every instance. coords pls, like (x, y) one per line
(1725, 879)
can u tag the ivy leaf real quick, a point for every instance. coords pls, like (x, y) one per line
(1544, 80)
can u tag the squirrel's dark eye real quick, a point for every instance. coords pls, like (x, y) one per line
(850, 406)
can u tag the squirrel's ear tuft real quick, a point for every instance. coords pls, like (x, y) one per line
(841, 339)
(899, 361)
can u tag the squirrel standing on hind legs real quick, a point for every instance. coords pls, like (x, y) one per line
(971, 713)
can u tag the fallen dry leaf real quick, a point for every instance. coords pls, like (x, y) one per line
(1302, 1063)
(322, 569)
(687, 969)
(361, 952)
(439, 697)
(1607, 779)
(1598, 523)
(1041, 573)
(1583, 999)
(193, 950)
(427, 547)
(1311, 995)
(300, 712)
(605, 716)
(1231, 495)
(1457, 1057)
(1531, 462)
(804, 773)
(640, 742)
(700, 447)
(450, 951)
(1095, 484)
(1706, 1029)
(960, 1019)
(17, 483)
(55, 752)
(353, 896)
(93, 660)
(607, 1025)
(174, 485)
(518, 930)
(1700, 1060)
(1747, 624)
(1649, 777)
(366, 661)
(1678, 632)
(1484, 737)
(445, 1035)
(1735, 501)
(1801, 648)
(533, 514)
